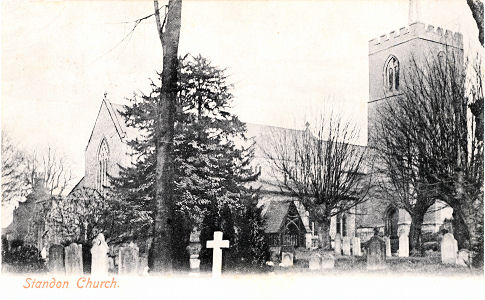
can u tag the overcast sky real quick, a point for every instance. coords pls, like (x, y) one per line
(287, 59)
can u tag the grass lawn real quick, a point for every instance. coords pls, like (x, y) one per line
(428, 265)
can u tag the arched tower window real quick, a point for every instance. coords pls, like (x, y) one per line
(391, 73)
(102, 165)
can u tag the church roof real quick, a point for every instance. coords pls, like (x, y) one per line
(275, 215)
(275, 208)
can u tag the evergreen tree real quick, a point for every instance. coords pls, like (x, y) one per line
(211, 156)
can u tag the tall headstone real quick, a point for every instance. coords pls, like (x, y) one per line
(356, 251)
(56, 259)
(74, 259)
(376, 252)
(387, 242)
(338, 245)
(99, 255)
(449, 249)
(404, 245)
(128, 259)
(346, 245)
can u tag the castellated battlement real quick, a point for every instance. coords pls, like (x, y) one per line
(413, 31)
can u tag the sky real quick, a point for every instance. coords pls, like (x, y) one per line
(288, 60)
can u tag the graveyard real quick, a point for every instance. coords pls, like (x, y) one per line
(223, 198)
(345, 259)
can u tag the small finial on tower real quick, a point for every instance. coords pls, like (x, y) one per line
(414, 11)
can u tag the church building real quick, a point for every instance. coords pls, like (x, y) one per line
(287, 221)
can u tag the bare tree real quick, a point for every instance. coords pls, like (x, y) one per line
(476, 7)
(324, 171)
(169, 33)
(15, 186)
(426, 142)
(51, 169)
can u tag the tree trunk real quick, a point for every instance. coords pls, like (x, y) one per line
(460, 229)
(324, 239)
(169, 32)
(415, 242)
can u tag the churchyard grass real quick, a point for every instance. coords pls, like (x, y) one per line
(428, 265)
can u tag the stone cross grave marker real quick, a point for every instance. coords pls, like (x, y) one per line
(449, 249)
(74, 259)
(217, 244)
(56, 259)
(128, 259)
(404, 245)
(356, 247)
(376, 253)
(99, 255)
(346, 245)
(338, 245)
(387, 241)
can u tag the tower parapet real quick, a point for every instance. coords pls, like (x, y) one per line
(416, 31)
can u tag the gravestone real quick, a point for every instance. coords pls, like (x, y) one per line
(56, 259)
(111, 265)
(43, 253)
(315, 262)
(143, 264)
(449, 249)
(128, 259)
(99, 256)
(346, 245)
(387, 242)
(287, 256)
(338, 245)
(464, 258)
(217, 244)
(327, 261)
(194, 248)
(74, 259)
(376, 252)
(404, 245)
(356, 251)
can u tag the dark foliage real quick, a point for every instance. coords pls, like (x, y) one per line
(22, 258)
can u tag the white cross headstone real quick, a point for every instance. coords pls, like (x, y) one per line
(217, 244)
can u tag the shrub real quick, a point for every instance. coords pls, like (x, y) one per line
(23, 259)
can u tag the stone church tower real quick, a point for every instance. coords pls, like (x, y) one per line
(390, 56)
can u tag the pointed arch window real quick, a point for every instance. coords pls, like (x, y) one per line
(102, 165)
(342, 225)
(391, 73)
